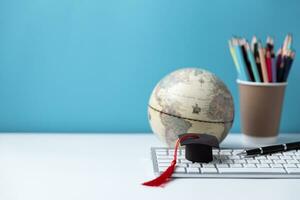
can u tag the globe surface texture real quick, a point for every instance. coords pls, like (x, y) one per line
(190, 100)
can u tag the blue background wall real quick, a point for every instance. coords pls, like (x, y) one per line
(75, 65)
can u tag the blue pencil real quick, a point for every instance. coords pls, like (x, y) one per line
(275, 65)
(253, 63)
(241, 61)
(288, 66)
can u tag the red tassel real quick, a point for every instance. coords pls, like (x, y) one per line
(165, 176)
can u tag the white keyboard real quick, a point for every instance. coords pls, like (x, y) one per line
(227, 164)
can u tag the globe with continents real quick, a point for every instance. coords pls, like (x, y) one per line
(190, 100)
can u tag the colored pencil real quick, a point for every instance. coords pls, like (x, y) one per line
(269, 56)
(269, 65)
(239, 56)
(273, 65)
(263, 63)
(288, 65)
(252, 62)
(242, 43)
(257, 59)
(274, 72)
(278, 63)
(253, 42)
(280, 70)
(234, 57)
(286, 44)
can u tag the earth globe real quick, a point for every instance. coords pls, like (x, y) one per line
(190, 100)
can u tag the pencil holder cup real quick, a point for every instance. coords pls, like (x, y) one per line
(260, 109)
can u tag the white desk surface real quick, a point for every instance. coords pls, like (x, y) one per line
(103, 166)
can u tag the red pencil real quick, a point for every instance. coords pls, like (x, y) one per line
(269, 64)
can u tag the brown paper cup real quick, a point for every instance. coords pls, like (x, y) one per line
(260, 108)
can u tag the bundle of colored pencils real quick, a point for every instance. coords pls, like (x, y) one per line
(260, 64)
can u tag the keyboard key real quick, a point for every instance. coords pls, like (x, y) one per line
(266, 161)
(168, 160)
(273, 157)
(261, 158)
(179, 170)
(226, 150)
(235, 157)
(276, 165)
(237, 151)
(292, 161)
(209, 170)
(162, 157)
(279, 161)
(253, 161)
(249, 165)
(289, 165)
(277, 154)
(227, 161)
(181, 165)
(289, 153)
(297, 153)
(192, 170)
(225, 153)
(263, 165)
(235, 165)
(158, 155)
(285, 157)
(222, 165)
(216, 161)
(239, 161)
(185, 161)
(293, 170)
(193, 165)
(171, 151)
(215, 151)
(252, 170)
(163, 164)
(161, 153)
(221, 157)
(208, 166)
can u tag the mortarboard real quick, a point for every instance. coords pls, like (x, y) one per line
(199, 148)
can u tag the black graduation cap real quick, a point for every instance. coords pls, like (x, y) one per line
(199, 148)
